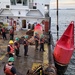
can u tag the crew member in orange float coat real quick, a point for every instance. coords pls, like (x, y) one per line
(10, 48)
(26, 45)
(11, 34)
(3, 31)
(42, 40)
(9, 68)
(16, 47)
(36, 38)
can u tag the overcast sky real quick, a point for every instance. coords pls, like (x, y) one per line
(63, 3)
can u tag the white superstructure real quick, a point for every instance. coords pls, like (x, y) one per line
(24, 12)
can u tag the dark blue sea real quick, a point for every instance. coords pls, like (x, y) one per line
(64, 19)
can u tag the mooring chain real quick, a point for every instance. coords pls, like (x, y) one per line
(51, 70)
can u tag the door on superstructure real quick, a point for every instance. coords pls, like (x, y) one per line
(46, 10)
(25, 2)
(23, 23)
(19, 2)
(22, 2)
(29, 26)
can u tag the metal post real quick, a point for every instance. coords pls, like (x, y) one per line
(57, 23)
(51, 67)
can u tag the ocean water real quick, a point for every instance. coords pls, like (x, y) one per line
(64, 19)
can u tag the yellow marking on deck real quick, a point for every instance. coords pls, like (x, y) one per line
(45, 55)
(45, 59)
(2, 56)
(3, 46)
(35, 65)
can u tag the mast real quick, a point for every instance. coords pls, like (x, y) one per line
(57, 22)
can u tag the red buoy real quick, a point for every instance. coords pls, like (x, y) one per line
(38, 29)
(65, 46)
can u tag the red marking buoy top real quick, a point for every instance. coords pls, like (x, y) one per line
(38, 29)
(65, 46)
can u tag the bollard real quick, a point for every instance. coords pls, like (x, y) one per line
(40, 72)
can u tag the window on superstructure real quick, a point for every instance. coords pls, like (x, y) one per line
(13, 2)
(19, 1)
(25, 2)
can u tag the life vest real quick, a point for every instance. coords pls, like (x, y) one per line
(8, 70)
(3, 30)
(16, 44)
(42, 40)
(11, 31)
(36, 38)
(11, 49)
(25, 42)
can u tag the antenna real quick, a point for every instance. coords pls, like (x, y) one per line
(57, 23)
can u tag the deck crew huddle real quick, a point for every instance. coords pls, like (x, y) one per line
(14, 49)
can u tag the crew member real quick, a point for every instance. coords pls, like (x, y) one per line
(9, 68)
(3, 31)
(10, 48)
(36, 38)
(12, 33)
(16, 47)
(26, 45)
(42, 42)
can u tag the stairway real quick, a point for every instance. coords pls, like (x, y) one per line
(34, 13)
(1, 10)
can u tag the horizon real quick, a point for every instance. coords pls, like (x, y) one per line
(62, 4)
(62, 8)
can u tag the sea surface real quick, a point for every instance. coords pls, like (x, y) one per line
(64, 19)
